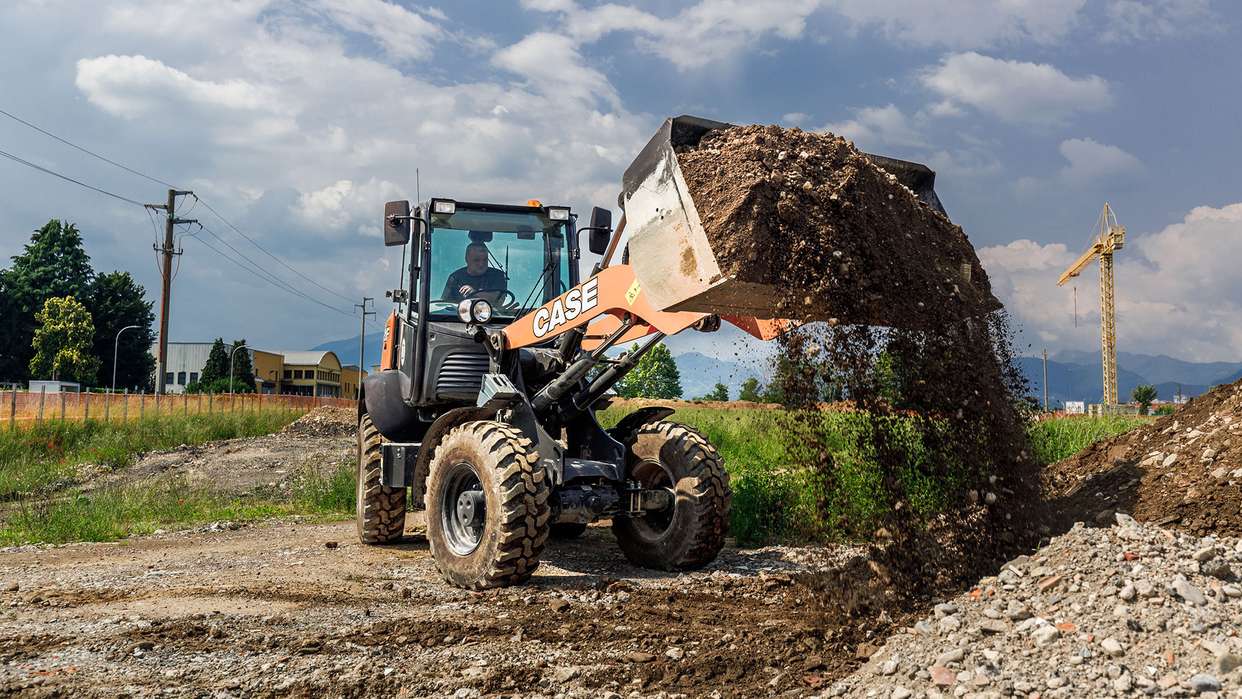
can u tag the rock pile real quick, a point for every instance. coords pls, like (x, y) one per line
(1184, 469)
(1132, 610)
(324, 421)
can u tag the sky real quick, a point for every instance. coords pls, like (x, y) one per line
(295, 120)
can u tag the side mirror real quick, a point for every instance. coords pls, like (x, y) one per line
(396, 223)
(601, 230)
(601, 218)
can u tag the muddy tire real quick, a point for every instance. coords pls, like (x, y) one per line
(379, 510)
(666, 454)
(568, 530)
(487, 506)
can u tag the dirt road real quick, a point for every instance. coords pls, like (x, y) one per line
(287, 608)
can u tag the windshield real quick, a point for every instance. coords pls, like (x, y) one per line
(516, 260)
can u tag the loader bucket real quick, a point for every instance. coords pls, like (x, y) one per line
(671, 253)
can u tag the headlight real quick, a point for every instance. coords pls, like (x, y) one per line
(474, 311)
(444, 207)
(558, 214)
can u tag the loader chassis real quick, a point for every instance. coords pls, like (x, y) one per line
(489, 422)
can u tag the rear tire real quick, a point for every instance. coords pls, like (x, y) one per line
(379, 510)
(666, 454)
(487, 506)
(568, 530)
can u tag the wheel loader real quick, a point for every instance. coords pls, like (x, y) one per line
(499, 351)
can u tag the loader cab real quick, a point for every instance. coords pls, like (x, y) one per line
(503, 260)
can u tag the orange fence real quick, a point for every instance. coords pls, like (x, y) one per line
(30, 407)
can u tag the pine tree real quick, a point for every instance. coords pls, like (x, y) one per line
(62, 342)
(217, 366)
(243, 371)
(655, 376)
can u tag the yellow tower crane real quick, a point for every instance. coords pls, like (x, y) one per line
(1109, 238)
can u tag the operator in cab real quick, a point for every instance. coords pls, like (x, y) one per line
(476, 280)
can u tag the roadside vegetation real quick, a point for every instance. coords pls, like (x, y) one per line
(40, 503)
(773, 501)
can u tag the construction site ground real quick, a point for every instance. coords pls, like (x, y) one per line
(289, 607)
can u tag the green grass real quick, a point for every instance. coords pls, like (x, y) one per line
(36, 457)
(776, 500)
(1060, 438)
(115, 513)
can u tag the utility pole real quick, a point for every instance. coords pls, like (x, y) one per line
(1045, 379)
(167, 251)
(362, 340)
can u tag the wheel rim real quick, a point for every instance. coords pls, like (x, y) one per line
(653, 474)
(463, 509)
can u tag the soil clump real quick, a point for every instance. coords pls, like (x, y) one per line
(1183, 470)
(838, 236)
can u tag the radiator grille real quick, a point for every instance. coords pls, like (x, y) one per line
(461, 373)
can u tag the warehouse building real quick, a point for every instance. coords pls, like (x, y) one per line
(276, 372)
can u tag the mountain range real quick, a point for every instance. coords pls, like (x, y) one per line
(1072, 375)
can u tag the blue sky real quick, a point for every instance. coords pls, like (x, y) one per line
(297, 120)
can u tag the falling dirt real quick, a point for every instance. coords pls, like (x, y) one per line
(913, 342)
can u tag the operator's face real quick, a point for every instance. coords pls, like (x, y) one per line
(476, 260)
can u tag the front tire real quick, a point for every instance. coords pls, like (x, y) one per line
(666, 454)
(487, 506)
(378, 509)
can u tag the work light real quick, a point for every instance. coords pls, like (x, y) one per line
(444, 207)
(474, 311)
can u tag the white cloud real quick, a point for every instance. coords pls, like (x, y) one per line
(1090, 160)
(402, 33)
(964, 24)
(551, 65)
(1140, 20)
(1087, 162)
(1015, 91)
(875, 128)
(707, 32)
(133, 86)
(1178, 291)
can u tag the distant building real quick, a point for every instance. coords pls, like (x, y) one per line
(284, 372)
(40, 386)
(1075, 407)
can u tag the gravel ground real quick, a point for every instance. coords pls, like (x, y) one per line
(1131, 610)
(285, 608)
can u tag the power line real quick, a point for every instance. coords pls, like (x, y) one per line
(259, 272)
(269, 254)
(85, 150)
(40, 168)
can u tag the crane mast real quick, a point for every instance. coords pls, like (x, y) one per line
(1109, 238)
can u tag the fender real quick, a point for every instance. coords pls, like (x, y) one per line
(629, 424)
(431, 440)
(383, 396)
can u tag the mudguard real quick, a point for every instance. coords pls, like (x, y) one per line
(384, 397)
(630, 423)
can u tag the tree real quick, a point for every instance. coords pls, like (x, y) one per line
(115, 301)
(1144, 395)
(719, 392)
(62, 341)
(54, 264)
(217, 366)
(655, 376)
(243, 371)
(751, 391)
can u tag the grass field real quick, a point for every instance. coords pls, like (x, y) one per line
(773, 500)
(36, 462)
(776, 501)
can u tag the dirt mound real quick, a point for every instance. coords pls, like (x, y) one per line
(809, 211)
(324, 421)
(1184, 469)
